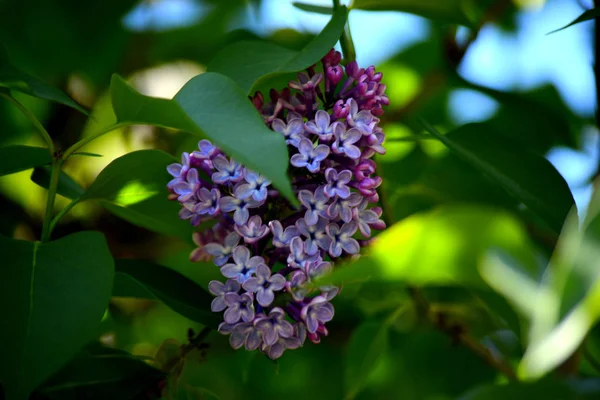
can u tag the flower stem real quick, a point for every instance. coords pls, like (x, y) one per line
(55, 174)
(346, 39)
(32, 118)
(61, 214)
(91, 138)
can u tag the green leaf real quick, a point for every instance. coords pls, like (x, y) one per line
(367, 344)
(87, 154)
(67, 187)
(249, 62)
(14, 79)
(313, 8)
(52, 298)
(454, 240)
(101, 373)
(211, 105)
(586, 16)
(144, 279)
(19, 158)
(462, 12)
(544, 389)
(134, 187)
(527, 176)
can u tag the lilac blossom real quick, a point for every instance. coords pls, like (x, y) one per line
(179, 171)
(240, 307)
(256, 186)
(242, 334)
(208, 202)
(341, 239)
(253, 230)
(315, 235)
(337, 183)
(220, 289)
(344, 141)
(243, 266)
(227, 170)
(282, 238)
(308, 156)
(316, 313)
(298, 256)
(222, 252)
(187, 188)
(239, 207)
(206, 150)
(344, 207)
(293, 131)
(274, 326)
(321, 126)
(264, 285)
(316, 204)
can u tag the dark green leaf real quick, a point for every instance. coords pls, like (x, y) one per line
(19, 158)
(462, 12)
(52, 298)
(138, 278)
(15, 79)
(134, 188)
(85, 153)
(99, 374)
(527, 176)
(586, 16)
(313, 8)
(544, 389)
(67, 187)
(213, 106)
(454, 240)
(367, 345)
(248, 62)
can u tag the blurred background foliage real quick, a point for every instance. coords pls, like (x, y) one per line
(536, 91)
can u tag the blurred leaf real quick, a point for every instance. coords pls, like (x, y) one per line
(187, 392)
(52, 299)
(99, 374)
(528, 177)
(544, 389)
(134, 188)
(213, 106)
(367, 344)
(462, 12)
(313, 8)
(454, 240)
(87, 154)
(247, 62)
(15, 79)
(139, 278)
(19, 158)
(586, 16)
(67, 187)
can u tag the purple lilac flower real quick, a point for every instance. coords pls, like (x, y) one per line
(264, 285)
(308, 156)
(243, 266)
(220, 289)
(271, 297)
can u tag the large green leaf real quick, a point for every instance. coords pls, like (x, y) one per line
(586, 16)
(443, 246)
(19, 158)
(213, 106)
(134, 188)
(144, 279)
(462, 12)
(67, 187)
(101, 373)
(527, 176)
(367, 345)
(52, 298)
(248, 62)
(544, 389)
(14, 79)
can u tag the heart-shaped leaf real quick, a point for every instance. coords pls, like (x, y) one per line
(52, 298)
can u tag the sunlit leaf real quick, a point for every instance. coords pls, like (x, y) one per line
(213, 106)
(144, 279)
(527, 176)
(247, 62)
(52, 298)
(19, 158)
(14, 79)
(586, 16)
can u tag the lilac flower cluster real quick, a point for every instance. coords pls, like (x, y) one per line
(271, 252)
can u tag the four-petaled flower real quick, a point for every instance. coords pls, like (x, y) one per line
(243, 334)
(274, 326)
(292, 132)
(206, 150)
(208, 202)
(298, 256)
(342, 239)
(243, 266)
(179, 171)
(227, 170)
(344, 207)
(282, 238)
(308, 156)
(344, 141)
(256, 186)
(220, 289)
(321, 125)
(367, 218)
(337, 183)
(253, 230)
(186, 189)
(264, 285)
(239, 307)
(316, 204)
(239, 206)
(316, 237)
(317, 312)
(224, 251)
